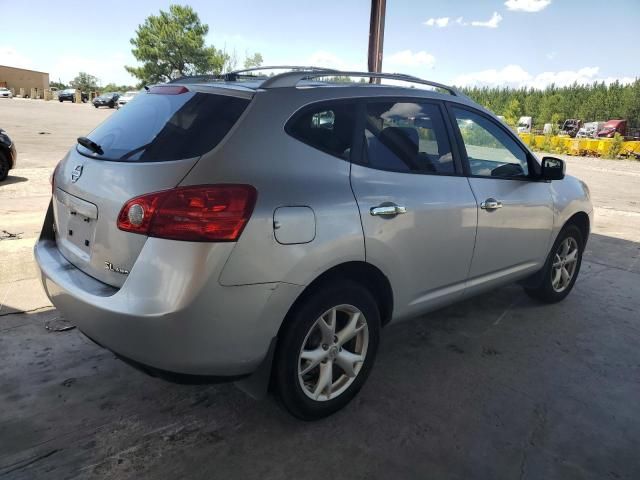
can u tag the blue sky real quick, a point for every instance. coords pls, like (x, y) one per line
(501, 42)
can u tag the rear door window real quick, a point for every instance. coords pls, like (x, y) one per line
(407, 136)
(160, 127)
(326, 126)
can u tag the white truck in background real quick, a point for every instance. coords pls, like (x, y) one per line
(525, 124)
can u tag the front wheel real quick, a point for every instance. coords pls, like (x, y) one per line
(561, 268)
(326, 349)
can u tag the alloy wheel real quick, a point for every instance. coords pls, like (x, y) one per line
(333, 352)
(564, 264)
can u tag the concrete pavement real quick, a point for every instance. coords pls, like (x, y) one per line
(495, 387)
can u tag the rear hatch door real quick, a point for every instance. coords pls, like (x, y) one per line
(149, 146)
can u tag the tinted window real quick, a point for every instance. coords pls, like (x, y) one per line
(491, 151)
(327, 126)
(407, 137)
(159, 127)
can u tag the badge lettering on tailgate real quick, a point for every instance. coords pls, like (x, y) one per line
(112, 268)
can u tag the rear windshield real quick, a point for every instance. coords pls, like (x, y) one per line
(158, 127)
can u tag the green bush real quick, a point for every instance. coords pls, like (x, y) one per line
(546, 143)
(561, 148)
(615, 146)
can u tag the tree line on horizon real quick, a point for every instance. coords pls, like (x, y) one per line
(589, 103)
(173, 43)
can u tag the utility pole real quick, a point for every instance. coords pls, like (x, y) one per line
(376, 37)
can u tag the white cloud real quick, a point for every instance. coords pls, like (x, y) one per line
(460, 21)
(438, 22)
(407, 58)
(493, 22)
(515, 76)
(527, 5)
(10, 57)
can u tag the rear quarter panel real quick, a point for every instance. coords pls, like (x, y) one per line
(285, 172)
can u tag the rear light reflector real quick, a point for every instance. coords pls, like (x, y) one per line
(200, 213)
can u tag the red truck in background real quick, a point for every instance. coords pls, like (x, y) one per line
(612, 127)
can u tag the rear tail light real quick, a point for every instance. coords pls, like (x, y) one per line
(200, 213)
(169, 89)
(52, 179)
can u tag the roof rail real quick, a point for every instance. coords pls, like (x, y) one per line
(194, 78)
(231, 76)
(291, 79)
(245, 73)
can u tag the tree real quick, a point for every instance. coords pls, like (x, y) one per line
(252, 61)
(512, 112)
(85, 82)
(172, 44)
(112, 87)
(595, 102)
(58, 85)
(230, 62)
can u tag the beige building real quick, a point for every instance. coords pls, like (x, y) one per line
(17, 78)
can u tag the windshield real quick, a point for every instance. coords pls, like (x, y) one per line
(160, 127)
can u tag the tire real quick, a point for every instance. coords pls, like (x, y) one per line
(96, 106)
(554, 285)
(354, 306)
(60, 100)
(4, 167)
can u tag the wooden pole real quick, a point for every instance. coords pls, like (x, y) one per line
(376, 37)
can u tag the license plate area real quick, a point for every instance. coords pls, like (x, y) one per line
(75, 225)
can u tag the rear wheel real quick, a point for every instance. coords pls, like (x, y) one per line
(327, 349)
(561, 268)
(4, 167)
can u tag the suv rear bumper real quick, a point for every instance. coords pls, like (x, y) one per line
(171, 313)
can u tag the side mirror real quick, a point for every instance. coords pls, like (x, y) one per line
(552, 168)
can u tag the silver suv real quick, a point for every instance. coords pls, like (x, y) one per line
(265, 228)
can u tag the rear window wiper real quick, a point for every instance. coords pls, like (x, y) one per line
(91, 145)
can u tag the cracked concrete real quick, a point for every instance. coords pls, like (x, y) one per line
(495, 387)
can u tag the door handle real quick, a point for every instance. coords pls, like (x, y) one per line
(387, 210)
(490, 204)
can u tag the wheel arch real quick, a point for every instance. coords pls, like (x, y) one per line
(361, 272)
(580, 220)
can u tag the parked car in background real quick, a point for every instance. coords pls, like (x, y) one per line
(589, 130)
(8, 155)
(525, 124)
(106, 100)
(547, 129)
(69, 94)
(610, 128)
(267, 231)
(5, 93)
(128, 96)
(570, 127)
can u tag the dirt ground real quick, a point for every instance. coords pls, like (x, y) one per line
(495, 387)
